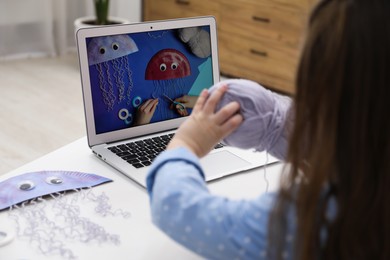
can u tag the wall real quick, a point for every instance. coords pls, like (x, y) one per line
(129, 9)
(31, 28)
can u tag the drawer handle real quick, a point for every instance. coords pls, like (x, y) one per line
(259, 53)
(261, 19)
(183, 2)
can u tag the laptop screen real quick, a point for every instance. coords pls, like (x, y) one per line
(147, 77)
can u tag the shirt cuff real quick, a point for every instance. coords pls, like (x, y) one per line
(178, 154)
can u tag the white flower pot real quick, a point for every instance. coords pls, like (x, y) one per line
(89, 21)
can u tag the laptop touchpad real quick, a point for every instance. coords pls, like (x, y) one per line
(221, 163)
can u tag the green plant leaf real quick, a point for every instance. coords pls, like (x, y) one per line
(101, 11)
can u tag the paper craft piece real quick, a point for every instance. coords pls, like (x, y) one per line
(37, 184)
(65, 220)
(204, 79)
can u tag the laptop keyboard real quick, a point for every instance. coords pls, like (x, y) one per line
(142, 153)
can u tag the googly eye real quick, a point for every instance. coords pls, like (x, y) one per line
(54, 180)
(115, 46)
(174, 66)
(26, 185)
(102, 50)
(163, 67)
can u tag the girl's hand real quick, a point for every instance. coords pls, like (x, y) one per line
(206, 127)
(146, 111)
(188, 101)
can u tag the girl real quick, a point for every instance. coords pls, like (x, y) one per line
(334, 203)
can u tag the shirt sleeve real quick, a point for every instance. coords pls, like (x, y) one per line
(212, 226)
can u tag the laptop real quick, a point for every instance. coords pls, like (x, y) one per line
(132, 78)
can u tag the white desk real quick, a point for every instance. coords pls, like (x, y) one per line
(140, 239)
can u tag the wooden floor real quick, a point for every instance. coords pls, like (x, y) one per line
(41, 108)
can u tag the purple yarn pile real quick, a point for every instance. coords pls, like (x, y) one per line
(265, 115)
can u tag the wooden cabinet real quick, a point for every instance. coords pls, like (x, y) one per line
(257, 39)
(167, 9)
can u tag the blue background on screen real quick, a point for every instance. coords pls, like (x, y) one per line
(107, 119)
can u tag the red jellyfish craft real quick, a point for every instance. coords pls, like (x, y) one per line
(167, 68)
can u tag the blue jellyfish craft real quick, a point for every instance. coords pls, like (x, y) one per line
(109, 54)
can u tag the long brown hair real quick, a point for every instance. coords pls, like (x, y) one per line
(340, 143)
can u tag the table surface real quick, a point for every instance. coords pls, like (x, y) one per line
(139, 238)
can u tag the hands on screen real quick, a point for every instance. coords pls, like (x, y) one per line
(145, 112)
(187, 101)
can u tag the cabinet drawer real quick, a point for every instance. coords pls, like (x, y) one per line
(300, 5)
(263, 21)
(264, 61)
(167, 9)
(266, 80)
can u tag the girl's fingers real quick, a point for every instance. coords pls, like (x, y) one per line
(154, 105)
(182, 99)
(181, 111)
(148, 105)
(201, 100)
(213, 100)
(145, 104)
(232, 124)
(226, 112)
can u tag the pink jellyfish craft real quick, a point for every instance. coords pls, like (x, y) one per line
(109, 54)
(168, 64)
(168, 68)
